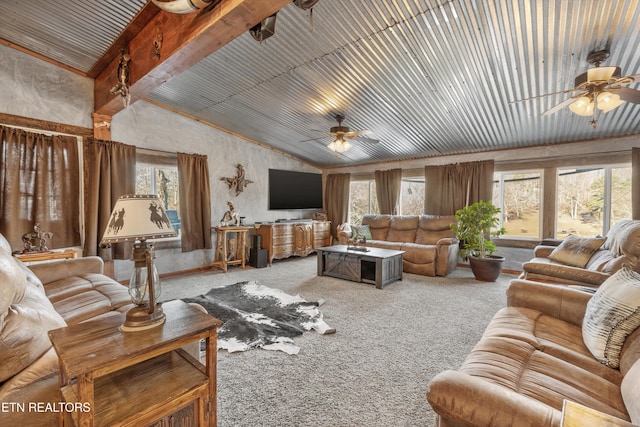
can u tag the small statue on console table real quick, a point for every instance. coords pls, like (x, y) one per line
(230, 216)
(36, 241)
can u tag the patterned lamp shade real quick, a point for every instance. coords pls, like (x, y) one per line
(137, 217)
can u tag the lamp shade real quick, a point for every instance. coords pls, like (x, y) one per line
(583, 106)
(607, 101)
(137, 217)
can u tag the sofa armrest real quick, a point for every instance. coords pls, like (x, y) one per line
(543, 251)
(564, 273)
(447, 241)
(51, 271)
(463, 399)
(561, 302)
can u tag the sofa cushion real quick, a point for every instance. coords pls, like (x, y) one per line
(612, 314)
(419, 254)
(13, 283)
(432, 228)
(521, 367)
(24, 337)
(378, 224)
(576, 251)
(403, 229)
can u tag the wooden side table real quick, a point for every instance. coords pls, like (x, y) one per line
(221, 258)
(138, 378)
(46, 255)
(577, 415)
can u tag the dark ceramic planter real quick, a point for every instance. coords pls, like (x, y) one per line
(486, 269)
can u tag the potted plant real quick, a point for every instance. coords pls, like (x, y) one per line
(475, 225)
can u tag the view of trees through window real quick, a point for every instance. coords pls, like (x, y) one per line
(163, 181)
(518, 196)
(590, 198)
(363, 199)
(588, 201)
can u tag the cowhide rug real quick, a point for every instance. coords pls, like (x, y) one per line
(256, 316)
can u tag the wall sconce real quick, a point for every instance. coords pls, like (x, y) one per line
(138, 218)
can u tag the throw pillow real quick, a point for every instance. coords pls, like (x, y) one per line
(611, 315)
(361, 231)
(576, 251)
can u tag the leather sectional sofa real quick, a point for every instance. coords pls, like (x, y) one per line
(531, 357)
(34, 300)
(588, 268)
(430, 246)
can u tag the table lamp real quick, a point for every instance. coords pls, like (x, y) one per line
(137, 218)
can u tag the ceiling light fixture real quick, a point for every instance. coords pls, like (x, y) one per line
(340, 145)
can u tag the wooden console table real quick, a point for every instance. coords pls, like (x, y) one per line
(139, 378)
(221, 258)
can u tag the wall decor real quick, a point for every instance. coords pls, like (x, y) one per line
(122, 87)
(237, 183)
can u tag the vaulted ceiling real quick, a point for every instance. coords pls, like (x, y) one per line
(424, 77)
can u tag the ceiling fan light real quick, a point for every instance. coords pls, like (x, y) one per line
(582, 106)
(602, 74)
(607, 101)
(347, 145)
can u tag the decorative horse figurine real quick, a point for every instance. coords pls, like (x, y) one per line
(230, 216)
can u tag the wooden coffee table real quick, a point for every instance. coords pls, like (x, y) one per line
(375, 266)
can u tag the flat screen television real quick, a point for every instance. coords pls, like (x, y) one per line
(294, 190)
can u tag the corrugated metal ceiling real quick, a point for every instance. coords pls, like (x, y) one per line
(427, 78)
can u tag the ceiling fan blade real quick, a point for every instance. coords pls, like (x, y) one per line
(560, 106)
(629, 95)
(546, 94)
(313, 139)
(365, 139)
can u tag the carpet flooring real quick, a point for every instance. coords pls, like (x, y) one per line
(374, 370)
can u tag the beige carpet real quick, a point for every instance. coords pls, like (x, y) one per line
(374, 370)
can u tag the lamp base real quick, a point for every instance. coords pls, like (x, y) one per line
(139, 319)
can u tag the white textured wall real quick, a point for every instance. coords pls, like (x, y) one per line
(146, 125)
(33, 88)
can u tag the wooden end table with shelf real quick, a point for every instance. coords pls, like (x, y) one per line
(221, 257)
(46, 255)
(139, 378)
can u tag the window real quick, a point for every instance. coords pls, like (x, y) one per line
(591, 199)
(412, 197)
(518, 194)
(364, 200)
(160, 179)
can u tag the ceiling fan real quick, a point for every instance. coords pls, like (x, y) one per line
(599, 88)
(342, 135)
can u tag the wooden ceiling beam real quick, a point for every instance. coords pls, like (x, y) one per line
(185, 40)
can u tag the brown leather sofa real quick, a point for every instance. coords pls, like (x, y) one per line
(622, 245)
(430, 246)
(34, 300)
(531, 358)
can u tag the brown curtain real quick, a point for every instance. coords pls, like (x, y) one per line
(336, 200)
(39, 183)
(635, 182)
(109, 172)
(452, 187)
(388, 187)
(195, 201)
